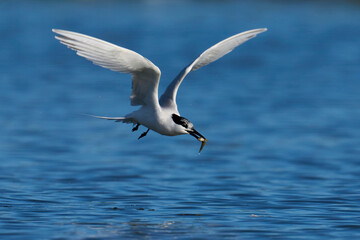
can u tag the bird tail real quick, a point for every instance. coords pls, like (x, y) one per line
(116, 119)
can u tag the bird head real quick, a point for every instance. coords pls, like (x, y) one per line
(188, 128)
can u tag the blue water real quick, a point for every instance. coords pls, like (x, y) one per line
(281, 114)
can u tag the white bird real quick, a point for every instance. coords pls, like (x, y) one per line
(160, 116)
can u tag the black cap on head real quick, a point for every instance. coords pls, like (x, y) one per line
(182, 121)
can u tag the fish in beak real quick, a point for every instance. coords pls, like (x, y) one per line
(199, 137)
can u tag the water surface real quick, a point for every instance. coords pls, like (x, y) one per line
(281, 114)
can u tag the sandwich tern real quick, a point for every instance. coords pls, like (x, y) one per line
(161, 116)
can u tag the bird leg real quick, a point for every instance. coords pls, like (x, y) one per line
(144, 134)
(135, 128)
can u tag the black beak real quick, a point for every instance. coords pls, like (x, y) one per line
(197, 135)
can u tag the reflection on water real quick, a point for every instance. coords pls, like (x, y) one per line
(281, 115)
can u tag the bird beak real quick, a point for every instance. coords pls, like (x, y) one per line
(199, 137)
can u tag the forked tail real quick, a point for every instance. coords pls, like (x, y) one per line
(116, 119)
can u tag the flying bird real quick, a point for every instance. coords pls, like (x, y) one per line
(161, 116)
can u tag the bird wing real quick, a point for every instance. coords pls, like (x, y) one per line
(145, 75)
(210, 55)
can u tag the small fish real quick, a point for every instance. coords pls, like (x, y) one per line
(203, 143)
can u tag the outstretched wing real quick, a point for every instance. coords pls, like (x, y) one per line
(145, 75)
(210, 55)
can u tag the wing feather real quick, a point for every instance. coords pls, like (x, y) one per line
(145, 75)
(210, 55)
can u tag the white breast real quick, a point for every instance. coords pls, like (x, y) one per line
(158, 120)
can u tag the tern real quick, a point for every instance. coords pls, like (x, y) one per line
(161, 116)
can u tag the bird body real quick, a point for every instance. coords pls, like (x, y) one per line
(158, 120)
(161, 116)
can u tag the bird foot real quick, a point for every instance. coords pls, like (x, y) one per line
(136, 128)
(144, 134)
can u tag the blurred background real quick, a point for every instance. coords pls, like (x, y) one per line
(281, 113)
